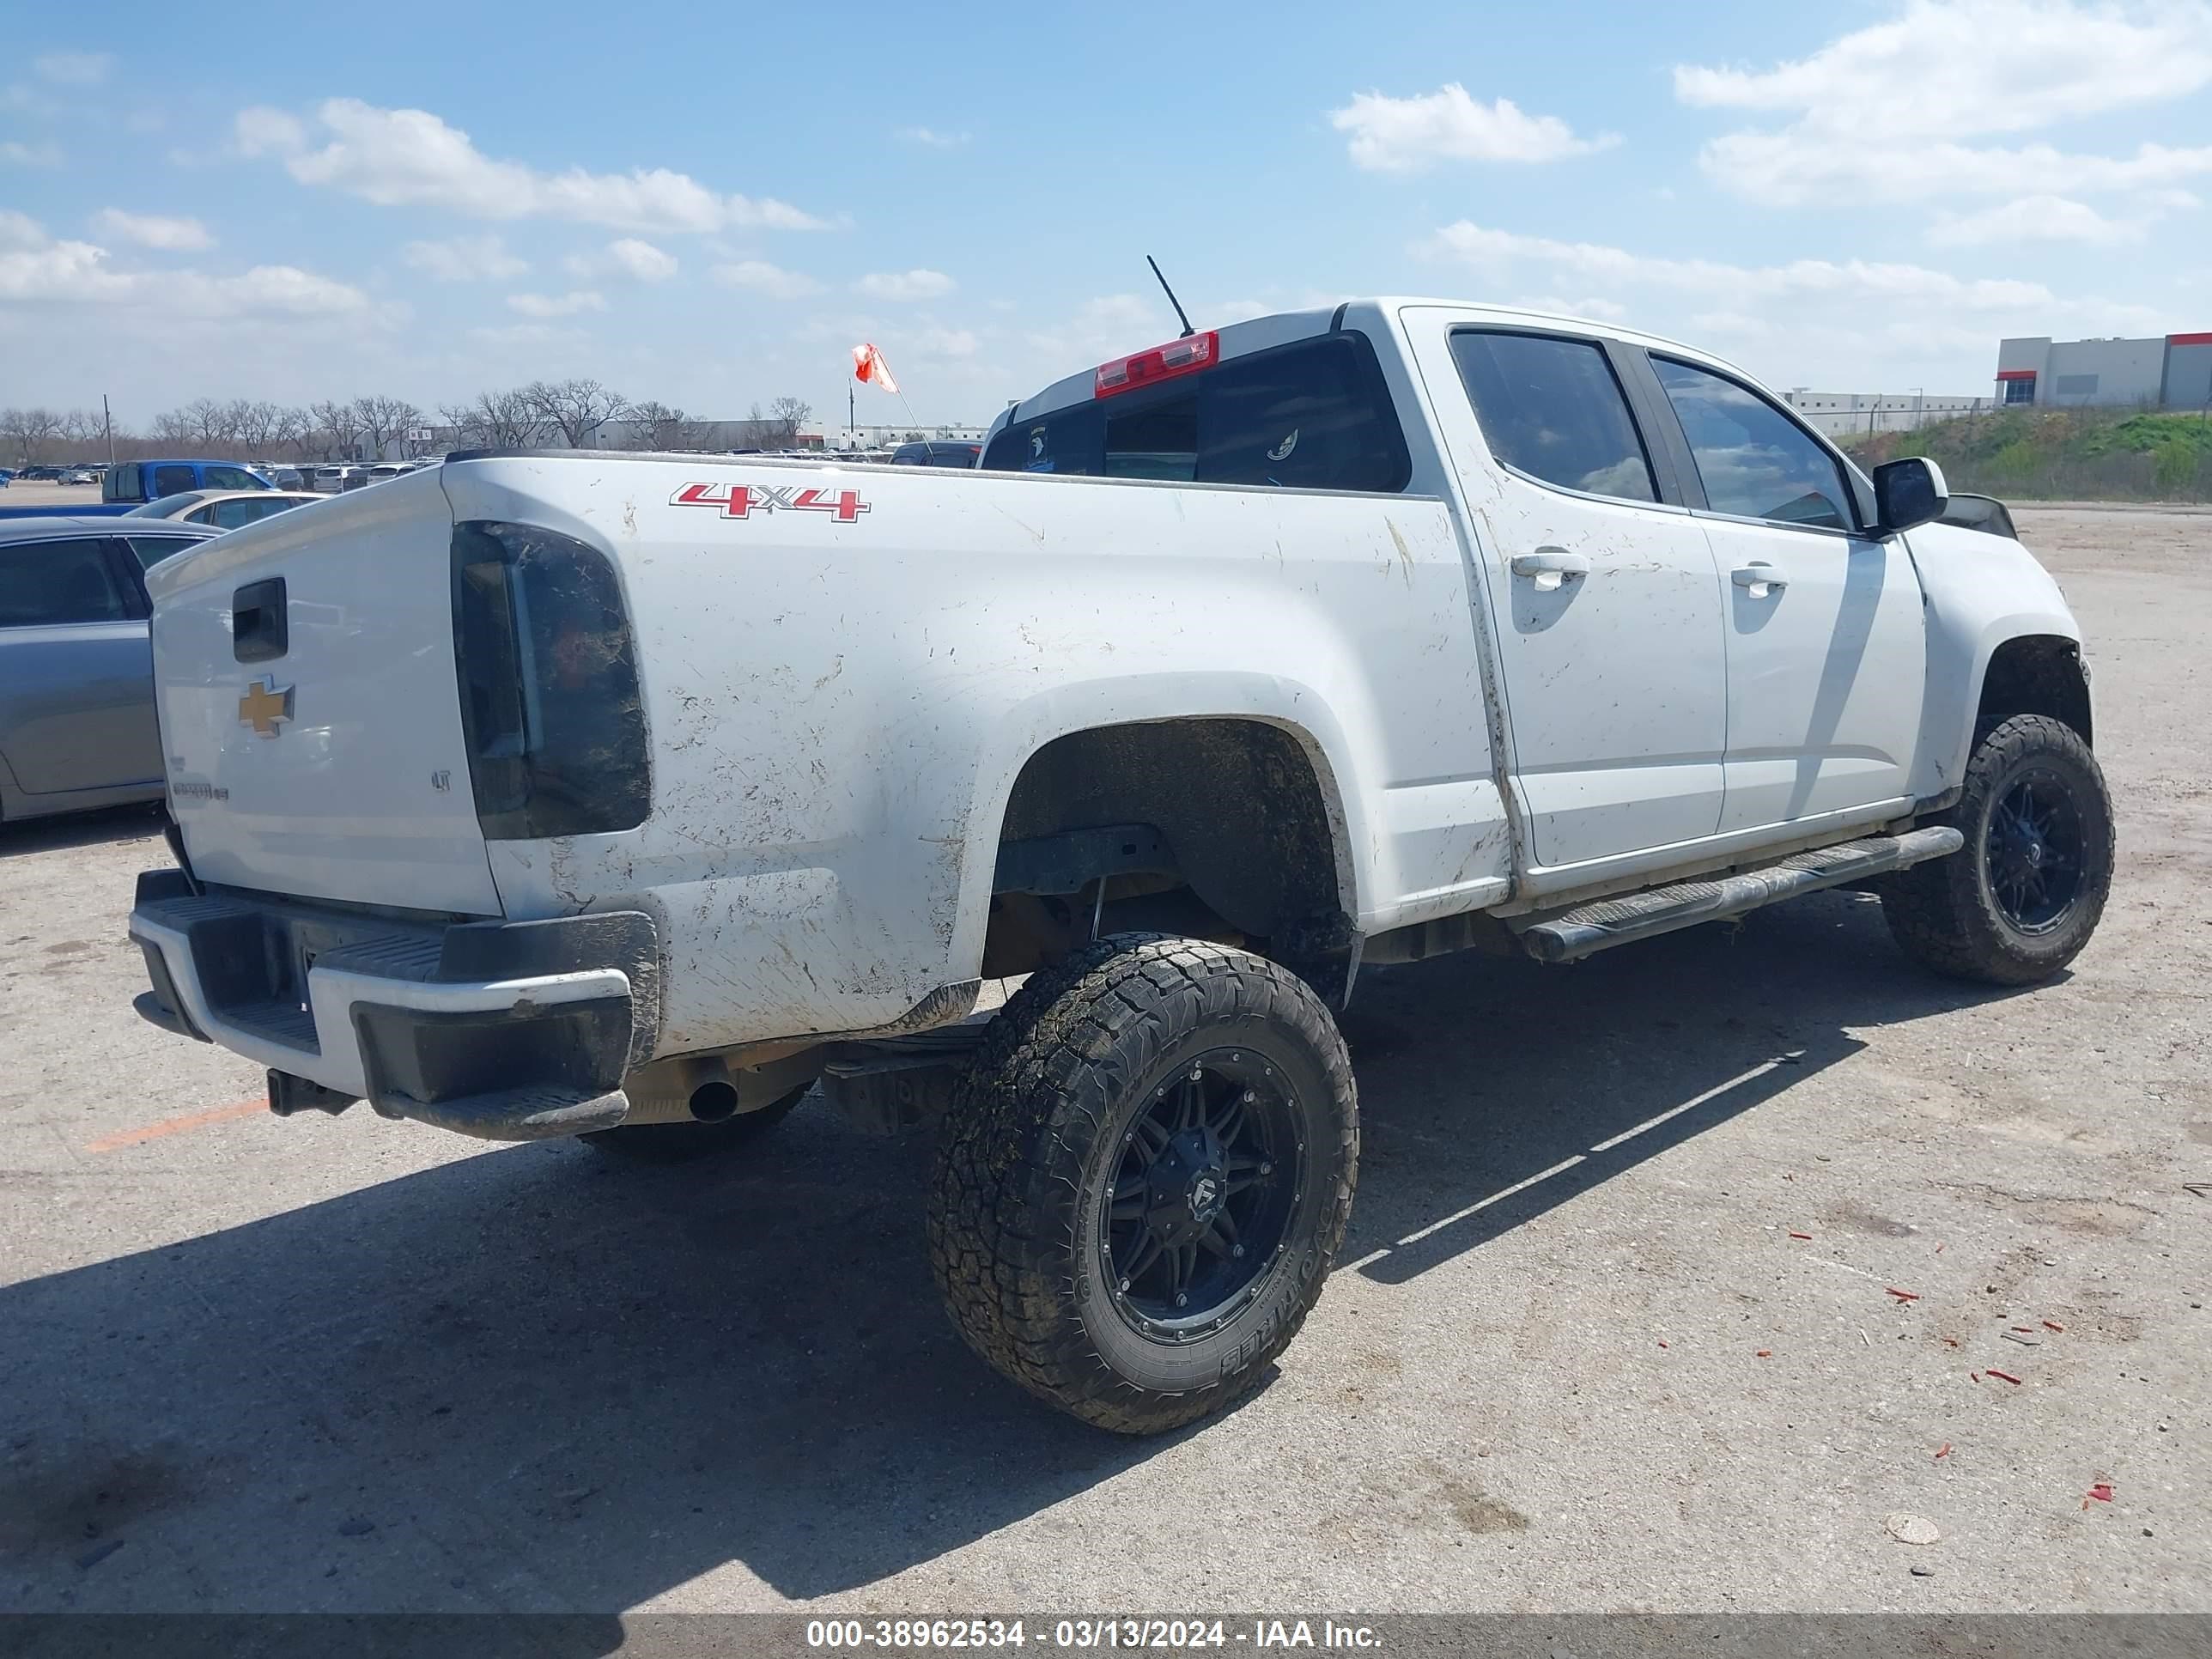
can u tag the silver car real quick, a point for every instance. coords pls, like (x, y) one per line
(76, 672)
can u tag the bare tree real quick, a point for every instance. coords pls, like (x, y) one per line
(496, 419)
(384, 419)
(574, 409)
(779, 427)
(29, 432)
(337, 428)
(173, 429)
(656, 426)
(290, 429)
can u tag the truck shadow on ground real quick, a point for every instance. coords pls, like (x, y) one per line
(534, 1380)
(72, 829)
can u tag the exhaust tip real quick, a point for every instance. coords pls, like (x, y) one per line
(714, 1100)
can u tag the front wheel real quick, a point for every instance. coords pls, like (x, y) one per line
(1146, 1178)
(2021, 899)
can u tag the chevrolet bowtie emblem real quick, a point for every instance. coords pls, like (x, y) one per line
(263, 707)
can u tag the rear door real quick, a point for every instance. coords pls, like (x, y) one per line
(1826, 640)
(76, 688)
(1607, 601)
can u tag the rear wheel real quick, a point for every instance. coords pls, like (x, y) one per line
(2021, 898)
(1146, 1178)
(683, 1142)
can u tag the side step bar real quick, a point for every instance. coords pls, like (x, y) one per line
(1567, 935)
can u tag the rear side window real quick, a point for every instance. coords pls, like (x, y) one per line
(45, 584)
(1753, 460)
(152, 550)
(173, 480)
(123, 483)
(229, 515)
(1312, 415)
(1551, 408)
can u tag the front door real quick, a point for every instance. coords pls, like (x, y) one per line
(1607, 604)
(76, 679)
(1826, 641)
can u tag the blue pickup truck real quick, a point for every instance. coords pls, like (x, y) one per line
(133, 483)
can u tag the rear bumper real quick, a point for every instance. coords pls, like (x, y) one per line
(504, 1030)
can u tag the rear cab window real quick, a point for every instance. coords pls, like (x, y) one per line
(1313, 414)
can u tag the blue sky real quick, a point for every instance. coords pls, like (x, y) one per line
(708, 205)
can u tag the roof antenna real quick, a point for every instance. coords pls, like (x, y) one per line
(1187, 331)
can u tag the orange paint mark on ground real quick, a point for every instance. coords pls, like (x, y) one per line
(176, 1126)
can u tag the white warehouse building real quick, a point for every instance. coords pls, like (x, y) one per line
(1842, 414)
(2172, 371)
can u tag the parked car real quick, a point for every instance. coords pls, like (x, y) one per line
(226, 510)
(6, 478)
(82, 476)
(285, 477)
(40, 475)
(384, 471)
(134, 482)
(1333, 638)
(936, 453)
(337, 479)
(77, 684)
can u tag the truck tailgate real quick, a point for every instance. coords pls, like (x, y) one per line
(325, 759)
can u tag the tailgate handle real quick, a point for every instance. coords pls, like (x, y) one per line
(260, 630)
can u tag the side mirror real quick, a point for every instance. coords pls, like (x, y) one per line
(1907, 494)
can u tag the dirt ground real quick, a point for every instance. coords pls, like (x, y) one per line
(1577, 1356)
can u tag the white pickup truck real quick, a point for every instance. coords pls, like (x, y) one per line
(634, 796)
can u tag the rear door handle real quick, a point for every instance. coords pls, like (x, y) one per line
(1551, 567)
(1758, 578)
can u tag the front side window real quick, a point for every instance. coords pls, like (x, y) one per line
(233, 477)
(1754, 461)
(46, 584)
(1551, 408)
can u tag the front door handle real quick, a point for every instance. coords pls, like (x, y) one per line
(1758, 578)
(1551, 567)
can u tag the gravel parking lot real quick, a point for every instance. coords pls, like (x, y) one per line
(1672, 1276)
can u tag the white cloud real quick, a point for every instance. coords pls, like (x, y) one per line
(1402, 135)
(641, 262)
(915, 284)
(35, 269)
(73, 68)
(2032, 219)
(931, 138)
(556, 305)
(177, 235)
(15, 154)
(1712, 281)
(409, 157)
(1805, 320)
(1602, 311)
(1885, 113)
(945, 342)
(759, 277)
(464, 259)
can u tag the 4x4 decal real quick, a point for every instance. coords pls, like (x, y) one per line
(738, 500)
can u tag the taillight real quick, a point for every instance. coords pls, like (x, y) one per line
(549, 685)
(1184, 356)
